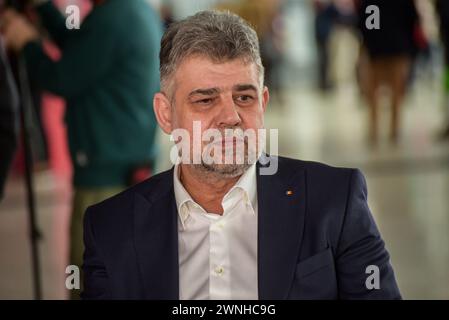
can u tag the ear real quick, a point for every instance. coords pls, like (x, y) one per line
(163, 111)
(265, 98)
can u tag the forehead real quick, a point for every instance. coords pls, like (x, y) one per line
(201, 72)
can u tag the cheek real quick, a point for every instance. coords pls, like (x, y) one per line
(253, 119)
(187, 116)
(183, 120)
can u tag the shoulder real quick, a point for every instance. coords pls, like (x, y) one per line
(326, 186)
(118, 208)
(316, 171)
(330, 193)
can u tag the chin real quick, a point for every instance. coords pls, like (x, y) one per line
(225, 170)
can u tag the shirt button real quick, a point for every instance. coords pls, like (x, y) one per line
(220, 225)
(219, 270)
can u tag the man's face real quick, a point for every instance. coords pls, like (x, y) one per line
(220, 96)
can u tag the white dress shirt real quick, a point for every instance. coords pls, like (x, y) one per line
(218, 254)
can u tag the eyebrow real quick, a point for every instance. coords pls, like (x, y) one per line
(244, 87)
(214, 91)
(204, 92)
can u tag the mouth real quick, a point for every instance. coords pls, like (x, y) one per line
(229, 141)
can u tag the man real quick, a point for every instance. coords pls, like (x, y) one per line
(214, 230)
(8, 117)
(108, 73)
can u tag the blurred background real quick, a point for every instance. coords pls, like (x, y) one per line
(325, 78)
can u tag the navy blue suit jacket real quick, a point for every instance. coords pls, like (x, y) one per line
(314, 242)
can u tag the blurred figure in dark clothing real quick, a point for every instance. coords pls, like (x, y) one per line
(38, 141)
(390, 50)
(8, 114)
(325, 16)
(108, 74)
(272, 51)
(442, 7)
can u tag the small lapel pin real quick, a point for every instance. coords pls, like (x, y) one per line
(289, 193)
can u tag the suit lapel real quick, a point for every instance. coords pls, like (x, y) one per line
(156, 240)
(281, 209)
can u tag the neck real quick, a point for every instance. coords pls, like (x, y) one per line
(206, 191)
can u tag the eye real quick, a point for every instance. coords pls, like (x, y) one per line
(245, 99)
(205, 101)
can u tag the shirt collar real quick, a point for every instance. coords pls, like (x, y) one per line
(246, 183)
(181, 196)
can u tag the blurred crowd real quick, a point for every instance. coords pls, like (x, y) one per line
(407, 31)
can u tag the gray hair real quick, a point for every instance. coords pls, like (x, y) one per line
(218, 35)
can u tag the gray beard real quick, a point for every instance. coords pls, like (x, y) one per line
(223, 170)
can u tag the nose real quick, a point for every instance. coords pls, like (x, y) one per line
(228, 115)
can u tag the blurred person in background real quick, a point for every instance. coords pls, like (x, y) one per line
(443, 12)
(389, 53)
(325, 16)
(8, 123)
(108, 73)
(427, 60)
(37, 137)
(272, 49)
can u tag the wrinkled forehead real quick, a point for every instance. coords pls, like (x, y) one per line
(200, 72)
